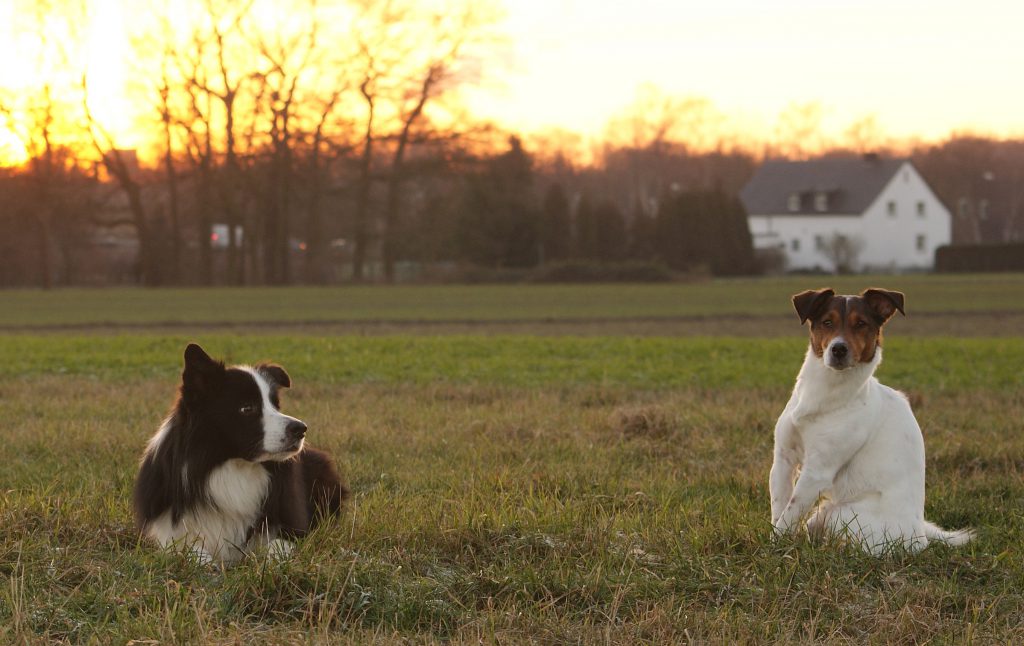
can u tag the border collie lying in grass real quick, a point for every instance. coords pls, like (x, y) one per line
(227, 472)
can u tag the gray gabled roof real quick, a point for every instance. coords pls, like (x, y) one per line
(851, 184)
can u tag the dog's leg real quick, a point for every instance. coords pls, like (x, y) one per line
(780, 484)
(824, 456)
(780, 480)
(811, 484)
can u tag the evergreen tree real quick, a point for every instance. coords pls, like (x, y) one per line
(609, 233)
(705, 229)
(500, 224)
(585, 231)
(643, 236)
(555, 225)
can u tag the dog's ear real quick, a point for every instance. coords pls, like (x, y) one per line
(202, 373)
(883, 302)
(275, 374)
(811, 302)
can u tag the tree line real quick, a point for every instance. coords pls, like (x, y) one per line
(336, 147)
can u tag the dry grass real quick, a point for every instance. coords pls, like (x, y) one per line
(483, 512)
(514, 483)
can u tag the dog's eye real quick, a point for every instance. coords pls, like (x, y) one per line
(248, 409)
(827, 323)
(859, 324)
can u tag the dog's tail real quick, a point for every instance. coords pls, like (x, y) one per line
(954, 538)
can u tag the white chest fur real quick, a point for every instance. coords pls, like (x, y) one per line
(218, 531)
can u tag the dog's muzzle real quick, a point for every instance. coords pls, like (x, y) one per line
(838, 355)
(295, 432)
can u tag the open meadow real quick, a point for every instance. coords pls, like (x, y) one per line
(548, 464)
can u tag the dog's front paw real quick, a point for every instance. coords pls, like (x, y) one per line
(280, 549)
(782, 527)
(777, 533)
(201, 556)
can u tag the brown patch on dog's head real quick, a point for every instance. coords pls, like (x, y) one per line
(847, 330)
(810, 303)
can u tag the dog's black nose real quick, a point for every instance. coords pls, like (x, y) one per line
(295, 430)
(839, 350)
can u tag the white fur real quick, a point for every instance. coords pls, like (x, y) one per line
(159, 437)
(275, 439)
(217, 531)
(860, 455)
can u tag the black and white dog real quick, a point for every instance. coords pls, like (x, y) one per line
(227, 472)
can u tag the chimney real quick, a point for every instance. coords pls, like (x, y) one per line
(871, 158)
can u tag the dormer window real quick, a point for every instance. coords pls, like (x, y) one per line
(794, 202)
(821, 201)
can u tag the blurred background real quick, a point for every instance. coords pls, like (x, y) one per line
(262, 142)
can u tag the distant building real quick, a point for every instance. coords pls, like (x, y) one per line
(881, 211)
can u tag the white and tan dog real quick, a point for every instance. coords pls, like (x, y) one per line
(857, 445)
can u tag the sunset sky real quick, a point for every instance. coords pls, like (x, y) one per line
(923, 69)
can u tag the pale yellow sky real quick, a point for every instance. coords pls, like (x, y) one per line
(923, 69)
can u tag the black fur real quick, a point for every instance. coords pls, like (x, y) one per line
(218, 417)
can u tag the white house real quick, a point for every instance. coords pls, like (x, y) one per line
(881, 209)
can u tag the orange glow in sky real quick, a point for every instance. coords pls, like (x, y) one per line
(923, 69)
(108, 53)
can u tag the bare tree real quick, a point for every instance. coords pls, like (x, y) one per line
(287, 58)
(196, 123)
(798, 130)
(360, 238)
(843, 252)
(410, 58)
(123, 167)
(223, 33)
(42, 119)
(865, 135)
(452, 38)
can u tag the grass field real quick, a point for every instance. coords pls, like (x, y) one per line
(34, 310)
(509, 488)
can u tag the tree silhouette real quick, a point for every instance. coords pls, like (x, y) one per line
(843, 252)
(500, 226)
(555, 226)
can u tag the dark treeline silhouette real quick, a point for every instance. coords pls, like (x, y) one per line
(295, 158)
(68, 224)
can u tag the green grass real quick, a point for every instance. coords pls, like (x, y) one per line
(508, 489)
(654, 364)
(35, 309)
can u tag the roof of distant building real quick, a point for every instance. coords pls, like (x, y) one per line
(850, 185)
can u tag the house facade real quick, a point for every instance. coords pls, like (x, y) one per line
(862, 214)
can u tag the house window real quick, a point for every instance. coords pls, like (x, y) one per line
(921, 242)
(819, 242)
(890, 208)
(821, 202)
(964, 207)
(920, 209)
(795, 244)
(983, 209)
(794, 202)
